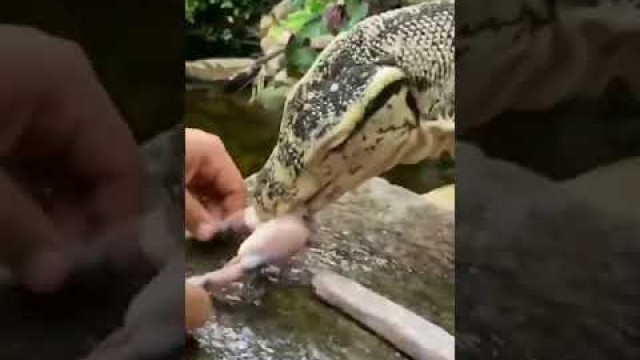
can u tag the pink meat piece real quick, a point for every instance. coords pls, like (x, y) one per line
(271, 242)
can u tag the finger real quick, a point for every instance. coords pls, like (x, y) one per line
(198, 307)
(230, 184)
(77, 127)
(105, 155)
(241, 223)
(212, 171)
(65, 120)
(154, 321)
(198, 221)
(34, 251)
(235, 201)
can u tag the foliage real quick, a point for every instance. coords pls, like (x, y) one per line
(226, 27)
(193, 7)
(312, 19)
(216, 25)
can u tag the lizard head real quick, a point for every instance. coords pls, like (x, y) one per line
(336, 132)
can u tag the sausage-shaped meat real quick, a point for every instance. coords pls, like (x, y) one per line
(272, 242)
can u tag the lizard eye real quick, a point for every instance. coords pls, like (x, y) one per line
(383, 98)
(380, 85)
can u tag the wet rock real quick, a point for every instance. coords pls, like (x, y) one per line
(414, 335)
(395, 222)
(383, 236)
(443, 197)
(216, 69)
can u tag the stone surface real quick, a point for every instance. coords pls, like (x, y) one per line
(443, 197)
(216, 69)
(393, 221)
(415, 336)
(269, 42)
(382, 236)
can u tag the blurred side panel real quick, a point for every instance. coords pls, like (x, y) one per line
(123, 296)
(548, 130)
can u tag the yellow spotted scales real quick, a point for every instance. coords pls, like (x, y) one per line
(379, 95)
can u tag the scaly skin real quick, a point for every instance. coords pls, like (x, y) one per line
(380, 95)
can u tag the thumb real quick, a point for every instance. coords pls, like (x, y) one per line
(30, 245)
(200, 222)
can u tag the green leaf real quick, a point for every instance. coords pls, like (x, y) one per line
(297, 4)
(313, 28)
(356, 13)
(273, 98)
(296, 20)
(299, 57)
(350, 5)
(305, 23)
(192, 8)
(317, 6)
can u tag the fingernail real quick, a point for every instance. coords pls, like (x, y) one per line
(205, 231)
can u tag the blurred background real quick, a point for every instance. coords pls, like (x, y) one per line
(136, 48)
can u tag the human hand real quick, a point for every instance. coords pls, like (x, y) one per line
(214, 187)
(153, 326)
(70, 166)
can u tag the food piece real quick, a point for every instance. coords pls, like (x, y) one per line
(410, 333)
(272, 242)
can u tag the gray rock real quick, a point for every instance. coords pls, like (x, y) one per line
(393, 221)
(415, 336)
(219, 69)
(382, 236)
